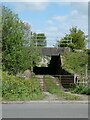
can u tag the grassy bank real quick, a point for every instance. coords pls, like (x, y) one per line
(54, 89)
(81, 89)
(0, 90)
(15, 88)
(75, 62)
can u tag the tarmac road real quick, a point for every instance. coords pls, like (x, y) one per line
(45, 110)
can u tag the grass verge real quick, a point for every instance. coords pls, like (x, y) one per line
(81, 89)
(54, 89)
(15, 88)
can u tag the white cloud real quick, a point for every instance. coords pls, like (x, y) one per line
(30, 6)
(24, 0)
(62, 24)
(60, 18)
(50, 22)
(52, 29)
(63, 3)
(74, 18)
(34, 5)
(81, 7)
(74, 12)
(57, 26)
(70, 0)
(45, 1)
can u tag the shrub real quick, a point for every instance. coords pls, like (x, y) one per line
(75, 62)
(15, 88)
(80, 89)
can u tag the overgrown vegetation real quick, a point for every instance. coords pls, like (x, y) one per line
(75, 39)
(75, 62)
(15, 88)
(0, 90)
(19, 44)
(20, 48)
(54, 89)
(81, 89)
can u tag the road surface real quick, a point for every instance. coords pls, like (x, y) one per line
(45, 110)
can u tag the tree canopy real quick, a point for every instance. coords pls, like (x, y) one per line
(12, 40)
(76, 39)
(18, 48)
(39, 39)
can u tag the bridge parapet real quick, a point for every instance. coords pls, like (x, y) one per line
(49, 51)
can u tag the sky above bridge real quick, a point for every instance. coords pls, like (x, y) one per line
(52, 18)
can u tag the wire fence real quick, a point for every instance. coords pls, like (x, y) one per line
(68, 79)
(84, 81)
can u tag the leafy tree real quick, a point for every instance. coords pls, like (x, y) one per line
(66, 41)
(16, 55)
(39, 39)
(18, 43)
(27, 33)
(76, 62)
(36, 43)
(0, 43)
(12, 41)
(76, 39)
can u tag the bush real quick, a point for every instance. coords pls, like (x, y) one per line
(80, 89)
(75, 62)
(15, 88)
(43, 65)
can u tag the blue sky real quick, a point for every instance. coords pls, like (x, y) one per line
(53, 18)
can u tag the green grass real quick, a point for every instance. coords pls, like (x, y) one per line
(81, 89)
(54, 89)
(0, 90)
(75, 62)
(15, 88)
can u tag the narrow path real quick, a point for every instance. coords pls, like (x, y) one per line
(49, 96)
(53, 97)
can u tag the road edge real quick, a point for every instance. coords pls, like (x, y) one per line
(29, 102)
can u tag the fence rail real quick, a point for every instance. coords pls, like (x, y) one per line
(83, 81)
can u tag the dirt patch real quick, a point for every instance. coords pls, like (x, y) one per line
(52, 97)
(82, 97)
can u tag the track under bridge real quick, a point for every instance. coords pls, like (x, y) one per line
(54, 67)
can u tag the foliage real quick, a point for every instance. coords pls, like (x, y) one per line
(75, 62)
(0, 90)
(18, 48)
(88, 60)
(54, 89)
(39, 39)
(76, 39)
(43, 65)
(81, 89)
(66, 41)
(15, 88)
(12, 40)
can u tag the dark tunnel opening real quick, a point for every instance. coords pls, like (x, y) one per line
(54, 68)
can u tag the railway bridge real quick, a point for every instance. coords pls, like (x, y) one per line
(54, 67)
